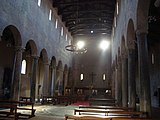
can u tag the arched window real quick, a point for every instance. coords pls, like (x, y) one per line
(81, 77)
(23, 67)
(39, 3)
(104, 76)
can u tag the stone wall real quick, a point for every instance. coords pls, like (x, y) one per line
(135, 10)
(33, 24)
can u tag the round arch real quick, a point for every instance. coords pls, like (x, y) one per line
(59, 66)
(44, 56)
(123, 46)
(31, 46)
(12, 32)
(53, 61)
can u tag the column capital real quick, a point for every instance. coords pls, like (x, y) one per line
(35, 57)
(113, 66)
(140, 32)
(131, 44)
(124, 56)
(53, 66)
(19, 49)
(119, 61)
(46, 64)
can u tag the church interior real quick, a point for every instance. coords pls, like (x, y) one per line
(84, 56)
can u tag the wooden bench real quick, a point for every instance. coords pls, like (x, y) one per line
(8, 110)
(107, 107)
(48, 100)
(31, 109)
(25, 99)
(109, 112)
(87, 117)
(17, 103)
(103, 101)
(63, 99)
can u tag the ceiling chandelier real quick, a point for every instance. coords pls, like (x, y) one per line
(76, 49)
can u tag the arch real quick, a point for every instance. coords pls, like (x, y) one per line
(123, 46)
(44, 56)
(31, 47)
(119, 52)
(60, 65)
(53, 61)
(12, 32)
(130, 35)
(142, 15)
(65, 68)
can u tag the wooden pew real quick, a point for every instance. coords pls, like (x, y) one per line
(90, 117)
(25, 99)
(85, 117)
(109, 112)
(58, 100)
(107, 107)
(63, 99)
(7, 110)
(48, 100)
(31, 109)
(18, 107)
(103, 101)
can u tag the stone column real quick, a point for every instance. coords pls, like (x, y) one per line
(119, 83)
(15, 90)
(124, 80)
(131, 78)
(145, 97)
(33, 77)
(53, 80)
(113, 83)
(46, 80)
(60, 83)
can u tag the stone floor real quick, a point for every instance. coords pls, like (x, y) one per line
(50, 112)
(57, 112)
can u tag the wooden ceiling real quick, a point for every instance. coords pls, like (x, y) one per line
(83, 16)
(154, 23)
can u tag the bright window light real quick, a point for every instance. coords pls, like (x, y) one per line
(104, 77)
(80, 44)
(117, 8)
(23, 69)
(56, 25)
(115, 22)
(104, 44)
(39, 3)
(66, 37)
(62, 31)
(50, 14)
(81, 77)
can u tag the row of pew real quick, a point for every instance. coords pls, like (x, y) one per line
(106, 113)
(14, 109)
(66, 100)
